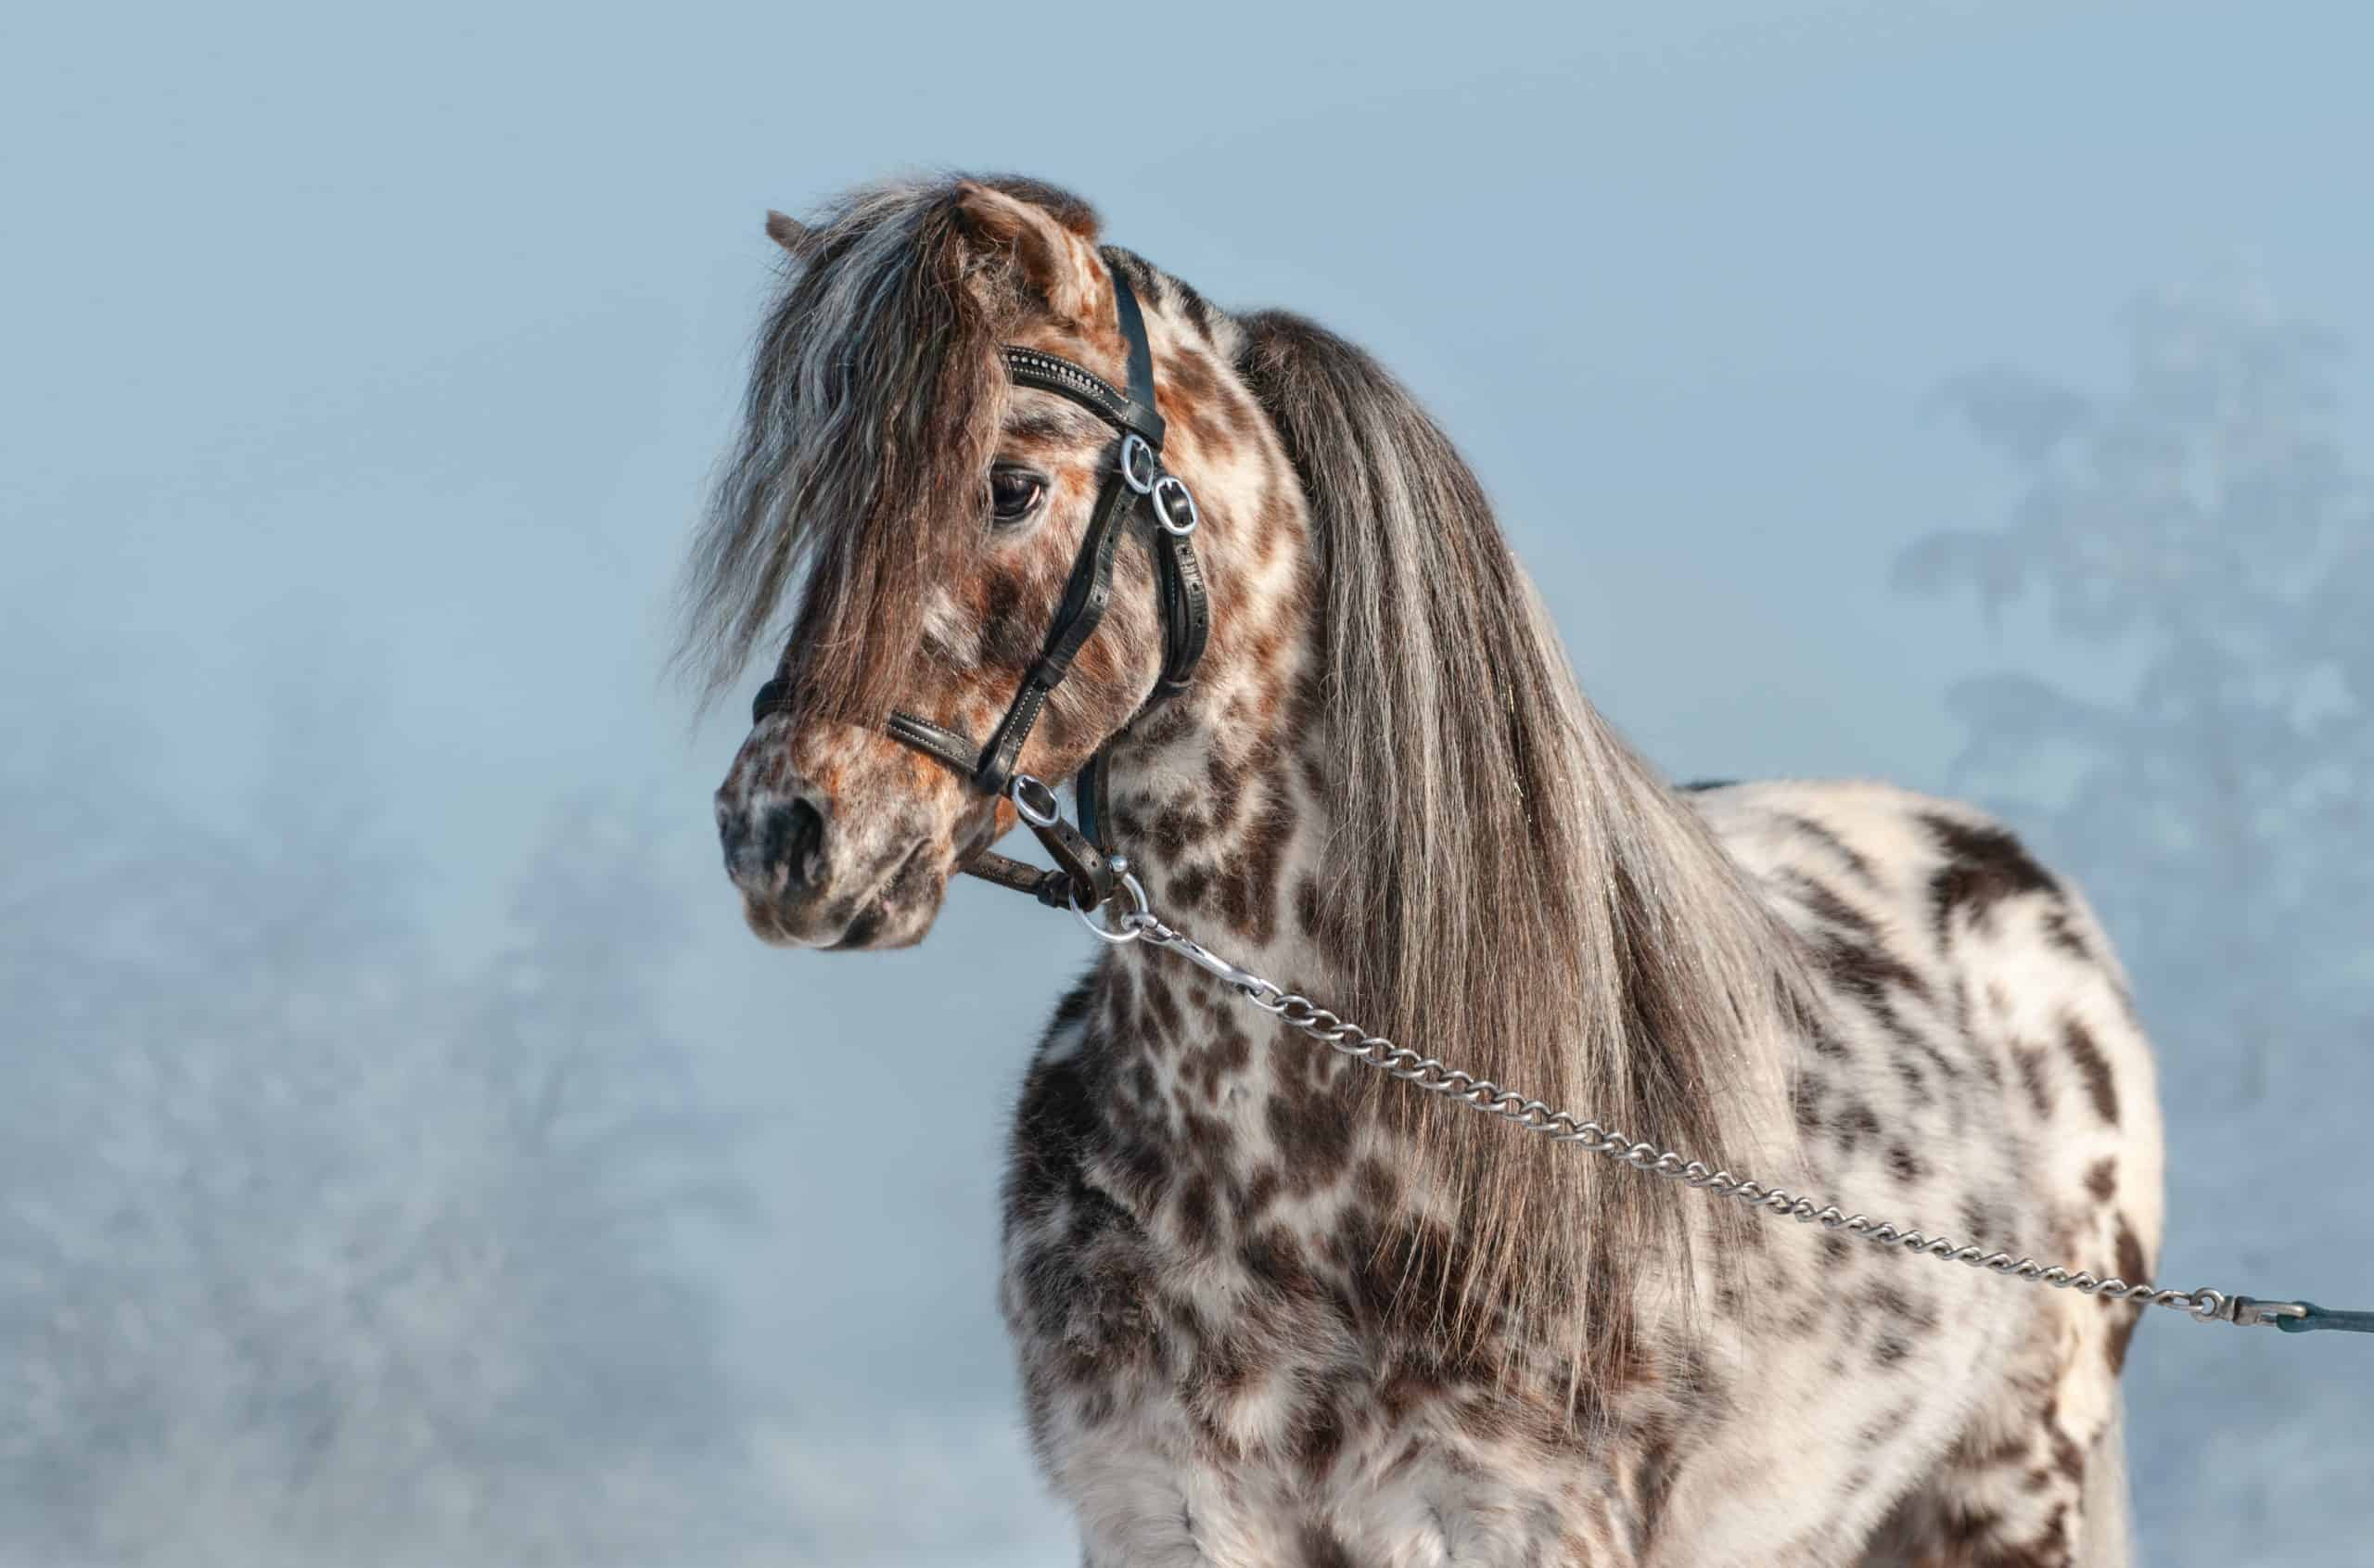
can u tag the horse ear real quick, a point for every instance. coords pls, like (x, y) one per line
(1058, 264)
(789, 233)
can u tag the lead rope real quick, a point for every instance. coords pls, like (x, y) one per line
(1139, 924)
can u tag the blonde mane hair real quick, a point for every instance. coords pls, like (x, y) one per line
(1531, 901)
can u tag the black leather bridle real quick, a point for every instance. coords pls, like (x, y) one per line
(1085, 875)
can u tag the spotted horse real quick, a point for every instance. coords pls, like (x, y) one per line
(1022, 508)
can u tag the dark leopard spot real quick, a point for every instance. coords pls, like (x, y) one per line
(2095, 1068)
(1827, 906)
(2061, 933)
(1855, 1122)
(2122, 1331)
(1195, 1212)
(1983, 866)
(1868, 971)
(2032, 1078)
(1904, 1164)
(1846, 853)
(2132, 1267)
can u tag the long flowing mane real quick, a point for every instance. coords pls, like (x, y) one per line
(1524, 897)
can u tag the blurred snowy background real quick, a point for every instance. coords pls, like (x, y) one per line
(405, 1157)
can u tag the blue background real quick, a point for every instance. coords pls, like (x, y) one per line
(365, 368)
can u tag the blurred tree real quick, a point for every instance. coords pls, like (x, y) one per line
(2204, 769)
(2199, 533)
(313, 1253)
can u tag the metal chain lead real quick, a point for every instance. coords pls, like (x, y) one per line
(1350, 1040)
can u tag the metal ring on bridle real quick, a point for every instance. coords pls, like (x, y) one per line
(1027, 792)
(1171, 496)
(1138, 458)
(1130, 930)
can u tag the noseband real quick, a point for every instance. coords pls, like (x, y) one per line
(1085, 875)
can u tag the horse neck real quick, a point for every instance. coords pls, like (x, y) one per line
(1221, 799)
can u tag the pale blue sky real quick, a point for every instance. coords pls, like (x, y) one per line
(397, 345)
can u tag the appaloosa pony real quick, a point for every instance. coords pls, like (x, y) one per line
(1051, 515)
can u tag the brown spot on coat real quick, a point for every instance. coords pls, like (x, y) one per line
(1195, 1212)
(1804, 1103)
(1868, 971)
(2122, 1327)
(1846, 853)
(2095, 1068)
(1983, 866)
(1320, 1549)
(2132, 1267)
(2032, 1078)
(1855, 1122)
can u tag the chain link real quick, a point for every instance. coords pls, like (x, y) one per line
(1349, 1039)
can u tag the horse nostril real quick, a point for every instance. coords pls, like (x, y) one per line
(733, 833)
(795, 841)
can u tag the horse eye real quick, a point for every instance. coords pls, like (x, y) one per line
(1014, 493)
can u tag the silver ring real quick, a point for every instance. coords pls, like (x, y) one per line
(1134, 447)
(1041, 816)
(1130, 931)
(1169, 492)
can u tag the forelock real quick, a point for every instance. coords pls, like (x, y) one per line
(868, 430)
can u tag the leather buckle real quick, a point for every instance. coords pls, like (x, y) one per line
(1141, 469)
(1171, 496)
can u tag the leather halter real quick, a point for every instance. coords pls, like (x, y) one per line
(1085, 875)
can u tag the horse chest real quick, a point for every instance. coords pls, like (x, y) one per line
(1192, 1416)
(1211, 1381)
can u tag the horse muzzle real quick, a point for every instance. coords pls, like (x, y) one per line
(807, 882)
